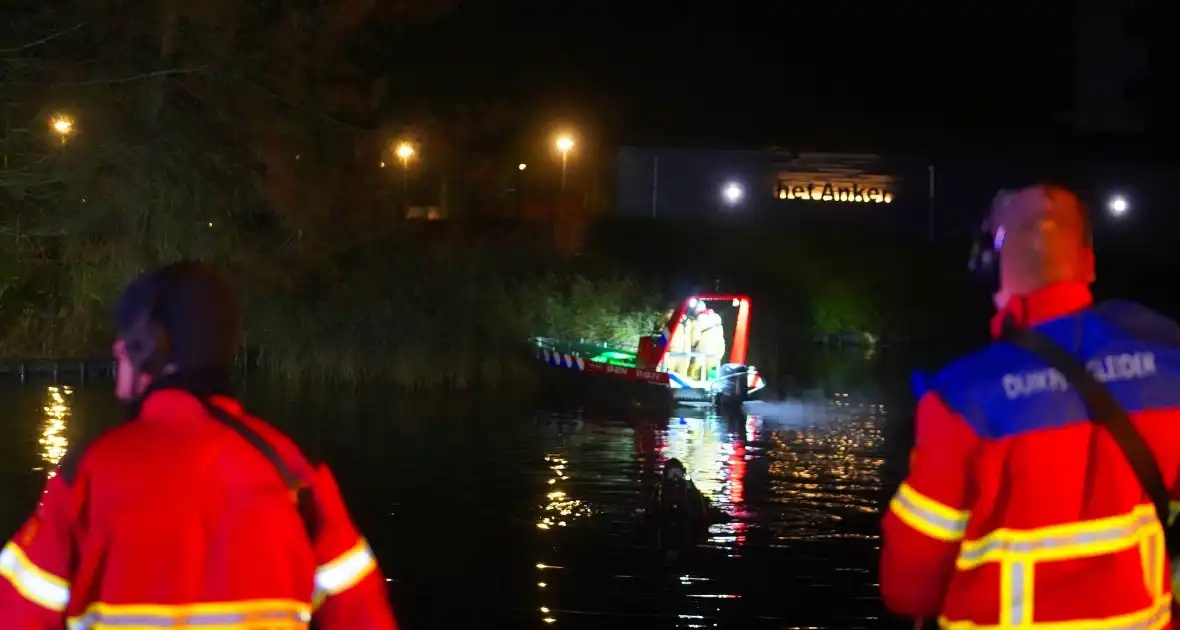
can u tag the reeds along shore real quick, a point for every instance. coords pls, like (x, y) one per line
(455, 307)
(457, 329)
(408, 318)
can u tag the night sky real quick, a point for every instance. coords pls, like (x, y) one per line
(834, 75)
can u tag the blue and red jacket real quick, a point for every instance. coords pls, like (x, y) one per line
(1018, 511)
(175, 520)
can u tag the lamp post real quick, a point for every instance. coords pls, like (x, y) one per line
(519, 189)
(404, 152)
(63, 126)
(1118, 206)
(732, 193)
(564, 144)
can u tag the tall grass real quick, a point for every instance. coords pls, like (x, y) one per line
(424, 318)
(460, 330)
(420, 311)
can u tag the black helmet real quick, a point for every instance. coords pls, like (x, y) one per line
(674, 470)
(183, 314)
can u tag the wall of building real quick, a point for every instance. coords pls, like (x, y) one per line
(884, 194)
(689, 183)
(692, 184)
(909, 196)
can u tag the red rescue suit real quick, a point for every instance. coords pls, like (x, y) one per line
(1018, 511)
(173, 519)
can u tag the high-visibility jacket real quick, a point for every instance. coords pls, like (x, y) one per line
(174, 519)
(712, 334)
(1018, 511)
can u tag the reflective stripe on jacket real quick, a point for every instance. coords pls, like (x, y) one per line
(174, 520)
(1018, 511)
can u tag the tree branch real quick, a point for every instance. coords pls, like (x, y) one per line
(43, 40)
(237, 76)
(136, 77)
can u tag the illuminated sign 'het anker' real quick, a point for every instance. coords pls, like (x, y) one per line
(830, 192)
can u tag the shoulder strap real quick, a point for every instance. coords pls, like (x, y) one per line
(300, 493)
(1105, 411)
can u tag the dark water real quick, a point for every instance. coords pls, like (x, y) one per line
(488, 513)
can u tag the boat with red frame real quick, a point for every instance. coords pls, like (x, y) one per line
(698, 358)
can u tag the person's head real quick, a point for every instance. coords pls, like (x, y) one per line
(180, 318)
(1042, 235)
(674, 471)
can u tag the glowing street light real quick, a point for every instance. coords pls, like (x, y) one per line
(564, 145)
(522, 166)
(63, 126)
(404, 152)
(1118, 205)
(732, 193)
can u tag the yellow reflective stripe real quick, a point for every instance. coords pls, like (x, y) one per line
(1060, 542)
(1152, 552)
(1154, 617)
(1018, 551)
(1160, 560)
(258, 614)
(344, 572)
(928, 516)
(32, 582)
(1016, 593)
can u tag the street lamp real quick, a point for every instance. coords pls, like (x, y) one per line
(564, 144)
(732, 193)
(1118, 205)
(404, 152)
(63, 126)
(522, 166)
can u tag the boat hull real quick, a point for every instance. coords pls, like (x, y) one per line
(567, 380)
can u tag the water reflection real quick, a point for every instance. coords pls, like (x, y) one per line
(546, 612)
(795, 488)
(55, 420)
(829, 466)
(798, 491)
(715, 454)
(560, 509)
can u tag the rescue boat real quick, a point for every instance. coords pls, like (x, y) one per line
(698, 358)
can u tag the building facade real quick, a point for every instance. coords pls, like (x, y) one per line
(774, 186)
(913, 197)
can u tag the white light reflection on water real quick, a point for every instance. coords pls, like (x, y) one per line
(55, 420)
(715, 459)
(828, 469)
(799, 497)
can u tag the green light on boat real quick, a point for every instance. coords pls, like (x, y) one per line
(615, 358)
